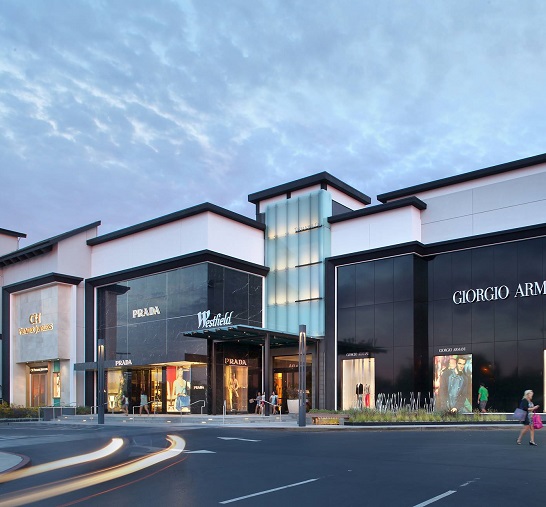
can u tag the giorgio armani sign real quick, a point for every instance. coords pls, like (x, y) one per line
(523, 290)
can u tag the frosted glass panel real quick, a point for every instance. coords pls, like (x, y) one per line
(297, 242)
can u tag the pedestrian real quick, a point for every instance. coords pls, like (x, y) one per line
(273, 401)
(262, 403)
(258, 399)
(483, 396)
(144, 403)
(125, 404)
(527, 406)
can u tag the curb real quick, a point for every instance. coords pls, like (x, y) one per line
(24, 461)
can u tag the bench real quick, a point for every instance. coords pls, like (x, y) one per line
(329, 418)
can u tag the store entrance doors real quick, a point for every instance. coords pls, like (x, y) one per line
(148, 390)
(285, 379)
(38, 388)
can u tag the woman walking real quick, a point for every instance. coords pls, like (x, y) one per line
(527, 406)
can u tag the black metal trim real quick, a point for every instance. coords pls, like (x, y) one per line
(461, 178)
(43, 280)
(16, 234)
(6, 346)
(323, 179)
(177, 215)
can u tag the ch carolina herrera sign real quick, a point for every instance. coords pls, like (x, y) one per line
(523, 290)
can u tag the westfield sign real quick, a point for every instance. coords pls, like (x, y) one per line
(216, 321)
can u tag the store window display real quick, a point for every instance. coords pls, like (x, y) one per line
(358, 383)
(235, 388)
(180, 391)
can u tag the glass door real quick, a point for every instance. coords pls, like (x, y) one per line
(38, 382)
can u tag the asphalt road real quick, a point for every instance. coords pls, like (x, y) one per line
(246, 467)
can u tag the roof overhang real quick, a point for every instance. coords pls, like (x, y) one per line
(249, 335)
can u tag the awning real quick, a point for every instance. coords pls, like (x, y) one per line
(248, 335)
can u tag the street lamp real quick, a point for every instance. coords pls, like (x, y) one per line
(302, 372)
(100, 381)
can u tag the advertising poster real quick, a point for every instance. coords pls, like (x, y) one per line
(453, 382)
(178, 389)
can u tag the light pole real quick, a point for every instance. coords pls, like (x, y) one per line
(100, 381)
(302, 372)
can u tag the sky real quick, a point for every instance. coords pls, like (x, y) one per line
(123, 111)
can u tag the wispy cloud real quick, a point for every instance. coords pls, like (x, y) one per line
(123, 111)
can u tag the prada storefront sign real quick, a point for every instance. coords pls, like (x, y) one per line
(36, 326)
(523, 290)
(146, 312)
(452, 349)
(235, 362)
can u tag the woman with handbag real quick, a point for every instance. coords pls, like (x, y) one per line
(527, 406)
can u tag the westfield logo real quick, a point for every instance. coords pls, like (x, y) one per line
(217, 321)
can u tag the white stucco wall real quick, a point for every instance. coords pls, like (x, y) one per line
(8, 243)
(462, 211)
(206, 231)
(377, 230)
(344, 199)
(71, 256)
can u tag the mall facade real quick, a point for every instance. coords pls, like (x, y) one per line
(437, 288)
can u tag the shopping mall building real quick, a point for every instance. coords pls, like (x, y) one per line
(201, 309)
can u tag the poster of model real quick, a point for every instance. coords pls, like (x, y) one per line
(453, 382)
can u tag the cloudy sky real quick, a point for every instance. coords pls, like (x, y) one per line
(126, 110)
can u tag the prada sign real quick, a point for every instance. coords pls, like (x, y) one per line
(124, 362)
(146, 312)
(235, 362)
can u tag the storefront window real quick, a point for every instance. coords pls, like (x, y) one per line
(236, 388)
(358, 383)
(56, 385)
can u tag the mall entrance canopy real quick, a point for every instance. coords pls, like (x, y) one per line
(250, 335)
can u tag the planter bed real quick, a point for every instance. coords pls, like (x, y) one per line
(431, 423)
(326, 418)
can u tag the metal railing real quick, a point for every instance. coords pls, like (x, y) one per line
(262, 413)
(273, 404)
(200, 401)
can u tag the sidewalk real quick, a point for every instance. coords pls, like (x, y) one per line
(10, 461)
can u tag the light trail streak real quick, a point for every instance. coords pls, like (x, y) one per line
(111, 448)
(40, 493)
